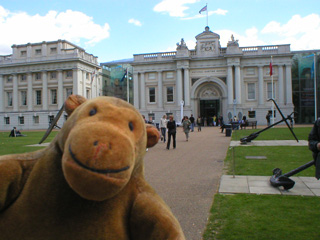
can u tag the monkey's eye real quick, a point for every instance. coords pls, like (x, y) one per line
(93, 111)
(130, 126)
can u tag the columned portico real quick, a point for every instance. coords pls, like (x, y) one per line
(142, 91)
(260, 85)
(60, 89)
(186, 87)
(280, 85)
(160, 98)
(1, 94)
(30, 91)
(15, 92)
(288, 85)
(238, 84)
(179, 87)
(44, 91)
(230, 85)
(136, 90)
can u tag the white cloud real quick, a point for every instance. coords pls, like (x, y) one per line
(74, 26)
(300, 32)
(175, 8)
(219, 11)
(135, 22)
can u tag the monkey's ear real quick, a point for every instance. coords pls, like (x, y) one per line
(72, 102)
(153, 135)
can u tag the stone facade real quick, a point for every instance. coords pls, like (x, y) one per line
(37, 78)
(211, 80)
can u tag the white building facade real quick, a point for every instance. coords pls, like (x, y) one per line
(210, 80)
(36, 79)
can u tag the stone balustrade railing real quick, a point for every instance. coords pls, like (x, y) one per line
(65, 54)
(257, 50)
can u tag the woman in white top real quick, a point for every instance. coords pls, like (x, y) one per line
(163, 127)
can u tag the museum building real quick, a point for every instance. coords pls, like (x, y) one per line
(36, 79)
(211, 80)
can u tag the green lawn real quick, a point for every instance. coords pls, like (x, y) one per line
(11, 145)
(265, 217)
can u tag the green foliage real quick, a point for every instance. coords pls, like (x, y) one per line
(11, 145)
(263, 217)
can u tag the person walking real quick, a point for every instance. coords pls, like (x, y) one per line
(163, 127)
(186, 127)
(199, 123)
(172, 129)
(192, 122)
(268, 116)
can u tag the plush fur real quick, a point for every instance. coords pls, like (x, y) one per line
(88, 183)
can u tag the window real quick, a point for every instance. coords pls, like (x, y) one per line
(87, 76)
(53, 50)
(23, 77)
(252, 114)
(69, 74)
(23, 98)
(169, 94)
(9, 98)
(88, 94)
(152, 95)
(251, 91)
(38, 97)
(9, 79)
(69, 91)
(38, 52)
(38, 76)
(51, 117)
(53, 75)
(23, 53)
(7, 120)
(269, 90)
(53, 96)
(36, 119)
(21, 120)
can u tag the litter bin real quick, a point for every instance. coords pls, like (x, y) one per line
(228, 130)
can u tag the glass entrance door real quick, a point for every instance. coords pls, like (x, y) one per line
(208, 109)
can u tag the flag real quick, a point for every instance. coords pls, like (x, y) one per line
(203, 9)
(124, 76)
(270, 68)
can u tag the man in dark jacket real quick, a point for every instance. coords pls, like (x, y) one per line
(314, 145)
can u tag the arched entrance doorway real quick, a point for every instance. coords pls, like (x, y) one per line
(208, 99)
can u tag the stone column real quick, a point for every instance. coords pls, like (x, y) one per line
(179, 87)
(136, 90)
(44, 90)
(280, 85)
(1, 94)
(160, 95)
(15, 93)
(75, 80)
(288, 85)
(238, 84)
(260, 85)
(60, 89)
(142, 91)
(186, 87)
(84, 84)
(230, 85)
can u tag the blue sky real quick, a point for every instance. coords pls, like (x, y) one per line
(117, 29)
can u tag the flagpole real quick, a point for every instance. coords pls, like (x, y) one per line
(207, 15)
(272, 106)
(315, 87)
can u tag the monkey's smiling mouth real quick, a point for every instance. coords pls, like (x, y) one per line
(102, 171)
